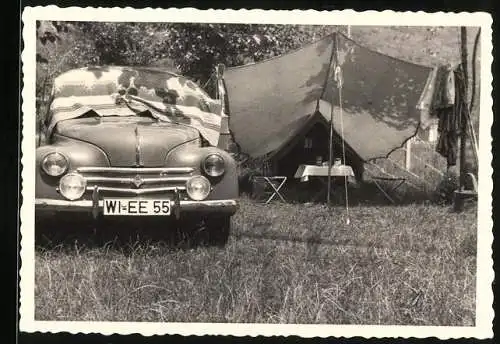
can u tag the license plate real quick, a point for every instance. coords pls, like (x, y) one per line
(136, 207)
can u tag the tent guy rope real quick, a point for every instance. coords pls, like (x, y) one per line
(341, 113)
(339, 81)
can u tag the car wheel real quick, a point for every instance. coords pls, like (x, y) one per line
(218, 229)
(204, 231)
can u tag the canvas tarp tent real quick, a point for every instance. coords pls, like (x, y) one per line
(384, 100)
(294, 151)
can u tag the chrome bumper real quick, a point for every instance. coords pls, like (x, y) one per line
(226, 206)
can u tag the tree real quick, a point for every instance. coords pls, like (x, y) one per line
(192, 49)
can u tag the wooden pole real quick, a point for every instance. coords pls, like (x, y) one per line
(459, 194)
(408, 155)
(463, 119)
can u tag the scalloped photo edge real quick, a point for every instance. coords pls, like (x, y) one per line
(484, 276)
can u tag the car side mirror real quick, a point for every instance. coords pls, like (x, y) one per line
(219, 70)
(40, 133)
(221, 88)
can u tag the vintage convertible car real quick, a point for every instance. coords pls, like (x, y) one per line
(121, 141)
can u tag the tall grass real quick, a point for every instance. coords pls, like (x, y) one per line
(390, 265)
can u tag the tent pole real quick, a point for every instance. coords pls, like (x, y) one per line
(330, 148)
(330, 153)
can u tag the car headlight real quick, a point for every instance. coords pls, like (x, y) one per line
(198, 188)
(72, 186)
(213, 165)
(54, 164)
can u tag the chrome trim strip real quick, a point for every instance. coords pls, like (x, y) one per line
(160, 170)
(57, 204)
(138, 156)
(223, 203)
(223, 206)
(126, 180)
(138, 191)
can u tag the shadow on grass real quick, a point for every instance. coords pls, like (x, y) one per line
(314, 240)
(119, 233)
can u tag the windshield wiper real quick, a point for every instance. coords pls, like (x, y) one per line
(146, 113)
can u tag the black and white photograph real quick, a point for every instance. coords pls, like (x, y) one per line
(256, 172)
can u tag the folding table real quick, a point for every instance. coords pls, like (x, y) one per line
(305, 172)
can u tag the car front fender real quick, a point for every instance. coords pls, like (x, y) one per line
(225, 187)
(78, 153)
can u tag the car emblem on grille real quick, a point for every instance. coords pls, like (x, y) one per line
(138, 181)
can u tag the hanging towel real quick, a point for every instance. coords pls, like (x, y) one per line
(445, 91)
(439, 93)
(451, 104)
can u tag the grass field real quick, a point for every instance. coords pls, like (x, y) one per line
(391, 265)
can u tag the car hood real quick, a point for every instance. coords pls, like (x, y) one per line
(129, 141)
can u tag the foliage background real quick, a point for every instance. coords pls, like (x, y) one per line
(193, 49)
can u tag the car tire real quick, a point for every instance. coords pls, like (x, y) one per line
(205, 231)
(218, 229)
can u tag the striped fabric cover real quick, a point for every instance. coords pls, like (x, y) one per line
(124, 91)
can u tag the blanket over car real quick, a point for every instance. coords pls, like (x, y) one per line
(126, 91)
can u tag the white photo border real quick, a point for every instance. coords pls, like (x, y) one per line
(485, 273)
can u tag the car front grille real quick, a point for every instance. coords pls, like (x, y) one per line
(121, 181)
